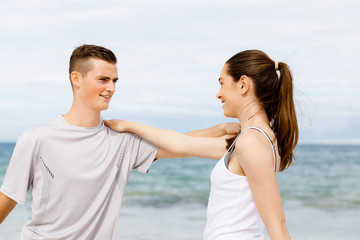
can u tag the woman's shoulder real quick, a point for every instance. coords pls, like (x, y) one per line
(253, 147)
(252, 137)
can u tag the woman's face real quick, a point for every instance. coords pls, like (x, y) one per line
(229, 94)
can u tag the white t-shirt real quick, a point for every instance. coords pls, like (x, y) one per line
(78, 176)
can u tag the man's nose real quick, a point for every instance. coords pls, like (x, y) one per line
(111, 86)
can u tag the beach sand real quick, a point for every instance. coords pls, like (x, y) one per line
(187, 223)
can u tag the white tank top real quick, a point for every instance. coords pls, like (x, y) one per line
(231, 212)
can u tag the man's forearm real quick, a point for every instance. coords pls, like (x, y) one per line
(6, 206)
(214, 131)
(218, 130)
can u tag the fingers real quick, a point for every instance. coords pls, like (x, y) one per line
(107, 122)
(110, 123)
(116, 124)
(233, 128)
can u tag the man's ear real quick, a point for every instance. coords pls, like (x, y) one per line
(75, 79)
(244, 84)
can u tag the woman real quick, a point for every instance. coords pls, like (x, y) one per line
(244, 194)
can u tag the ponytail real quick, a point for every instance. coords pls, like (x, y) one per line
(274, 93)
(285, 122)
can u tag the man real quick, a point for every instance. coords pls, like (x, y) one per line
(77, 167)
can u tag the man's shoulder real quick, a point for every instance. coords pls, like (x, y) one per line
(39, 130)
(122, 135)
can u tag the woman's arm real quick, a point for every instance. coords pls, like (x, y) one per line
(255, 156)
(171, 143)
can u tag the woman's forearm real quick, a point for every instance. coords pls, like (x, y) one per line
(167, 139)
(279, 232)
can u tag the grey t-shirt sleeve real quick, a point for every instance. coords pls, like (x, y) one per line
(20, 171)
(143, 153)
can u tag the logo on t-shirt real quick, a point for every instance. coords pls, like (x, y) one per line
(47, 169)
(121, 156)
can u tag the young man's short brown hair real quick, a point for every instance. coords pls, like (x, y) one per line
(80, 56)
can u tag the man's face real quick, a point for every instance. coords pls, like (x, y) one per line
(95, 89)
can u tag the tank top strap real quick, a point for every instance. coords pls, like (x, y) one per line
(230, 151)
(232, 146)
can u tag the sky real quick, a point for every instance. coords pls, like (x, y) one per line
(170, 54)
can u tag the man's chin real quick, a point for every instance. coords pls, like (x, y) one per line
(103, 108)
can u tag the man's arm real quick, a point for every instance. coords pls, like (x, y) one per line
(6, 206)
(219, 130)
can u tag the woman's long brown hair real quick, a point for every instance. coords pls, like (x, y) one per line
(275, 94)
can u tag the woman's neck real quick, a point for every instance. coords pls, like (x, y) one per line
(253, 116)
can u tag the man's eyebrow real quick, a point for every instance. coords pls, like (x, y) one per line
(107, 78)
(103, 77)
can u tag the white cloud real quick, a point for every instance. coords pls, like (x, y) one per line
(171, 52)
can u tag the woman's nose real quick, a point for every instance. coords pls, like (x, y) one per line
(219, 95)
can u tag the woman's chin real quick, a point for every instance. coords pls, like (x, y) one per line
(229, 115)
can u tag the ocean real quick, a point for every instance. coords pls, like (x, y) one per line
(320, 194)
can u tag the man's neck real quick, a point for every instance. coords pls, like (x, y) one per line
(82, 117)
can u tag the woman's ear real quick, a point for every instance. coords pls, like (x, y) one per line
(244, 84)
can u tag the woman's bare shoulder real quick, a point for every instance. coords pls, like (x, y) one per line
(253, 149)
